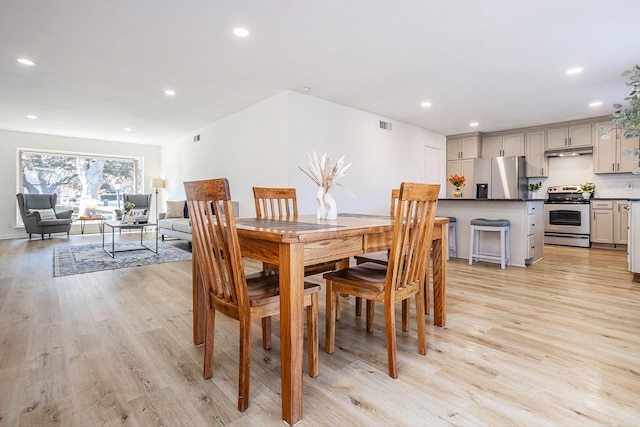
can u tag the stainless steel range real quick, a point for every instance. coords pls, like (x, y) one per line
(566, 217)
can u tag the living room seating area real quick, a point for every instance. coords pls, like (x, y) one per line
(39, 214)
(175, 221)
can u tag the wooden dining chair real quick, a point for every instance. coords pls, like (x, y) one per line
(402, 278)
(281, 204)
(227, 289)
(275, 203)
(380, 257)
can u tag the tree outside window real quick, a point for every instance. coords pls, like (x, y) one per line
(81, 181)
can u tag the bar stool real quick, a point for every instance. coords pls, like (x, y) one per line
(451, 231)
(482, 224)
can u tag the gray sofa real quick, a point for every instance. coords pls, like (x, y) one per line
(176, 223)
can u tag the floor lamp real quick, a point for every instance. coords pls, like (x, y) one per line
(118, 186)
(157, 184)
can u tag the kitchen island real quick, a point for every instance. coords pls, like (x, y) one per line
(526, 230)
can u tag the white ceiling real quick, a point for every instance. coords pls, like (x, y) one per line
(102, 65)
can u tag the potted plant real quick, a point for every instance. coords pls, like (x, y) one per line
(587, 189)
(128, 207)
(533, 188)
(627, 117)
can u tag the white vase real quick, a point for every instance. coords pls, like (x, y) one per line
(327, 207)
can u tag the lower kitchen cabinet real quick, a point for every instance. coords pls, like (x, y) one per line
(621, 222)
(633, 250)
(535, 231)
(609, 219)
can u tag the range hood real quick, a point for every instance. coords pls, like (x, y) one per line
(568, 152)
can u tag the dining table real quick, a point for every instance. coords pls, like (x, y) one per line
(294, 244)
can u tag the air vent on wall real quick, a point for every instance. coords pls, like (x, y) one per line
(385, 125)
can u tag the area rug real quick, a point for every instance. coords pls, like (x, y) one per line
(90, 258)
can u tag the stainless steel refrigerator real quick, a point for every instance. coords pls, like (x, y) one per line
(500, 178)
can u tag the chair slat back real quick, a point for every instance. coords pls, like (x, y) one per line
(216, 246)
(414, 218)
(395, 194)
(275, 203)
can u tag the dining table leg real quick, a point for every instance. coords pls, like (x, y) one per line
(291, 271)
(439, 246)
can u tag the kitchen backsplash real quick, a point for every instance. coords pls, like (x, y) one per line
(578, 170)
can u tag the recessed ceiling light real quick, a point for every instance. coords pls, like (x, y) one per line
(31, 116)
(575, 70)
(169, 92)
(127, 129)
(306, 89)
(595, 104)
(425, 104)
(25, 61)
(241, 32)
(474, 124)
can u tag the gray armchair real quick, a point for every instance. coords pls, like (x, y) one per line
(140, 202)
(34, 209)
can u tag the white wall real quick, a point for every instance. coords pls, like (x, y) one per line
(10, 141)
(381, 159)
(264, 144)
(249, 148)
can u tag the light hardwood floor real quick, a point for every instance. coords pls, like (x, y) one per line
(557, 343)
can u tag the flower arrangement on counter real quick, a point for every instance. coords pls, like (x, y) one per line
(457, 180)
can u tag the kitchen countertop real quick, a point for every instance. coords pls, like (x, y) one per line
(615, 198)
(631, 199)
(492, 200)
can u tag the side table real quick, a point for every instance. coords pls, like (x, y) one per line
(83, 219)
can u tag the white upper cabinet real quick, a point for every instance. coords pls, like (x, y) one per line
(463, 147)
(491, 146)
(537, 163)
(608, 145)
(569, 136)
(513, 145)
(503, 145)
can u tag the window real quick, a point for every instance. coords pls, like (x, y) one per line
(83, 182)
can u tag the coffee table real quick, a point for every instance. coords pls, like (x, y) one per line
(119, 225)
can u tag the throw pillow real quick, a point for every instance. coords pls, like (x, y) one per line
(175, 209)
(45, 214)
